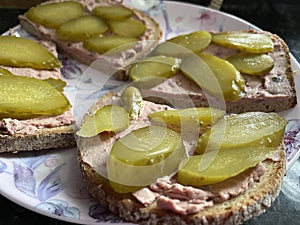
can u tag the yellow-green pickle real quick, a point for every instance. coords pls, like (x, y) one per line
(23, 52)
(142, 156)
(54, 14)
(25, 97)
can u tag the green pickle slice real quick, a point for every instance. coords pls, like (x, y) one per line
(241, 130)
(132, 101)
(184, 44)
(156, 66)
(203, 115)
(81, 28)
(224, 165)
(22, 52)
(113, 12)
(53, 15)
(25, 97)
(244, 41)
(215, 75)
(142, 156)
(108, 43)
(251, 63)
(127, 28)
(112, 118)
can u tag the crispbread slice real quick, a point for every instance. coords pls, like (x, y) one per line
(254, 201)
(78, 52)
(271, 92)
(44, 136)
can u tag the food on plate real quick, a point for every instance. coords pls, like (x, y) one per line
(238, 71)
(34, 113)
(150, 173)
(80, 31)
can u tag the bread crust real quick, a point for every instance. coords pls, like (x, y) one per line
(46, 138)
(252, 202)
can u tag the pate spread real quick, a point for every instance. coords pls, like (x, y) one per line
(167, 194)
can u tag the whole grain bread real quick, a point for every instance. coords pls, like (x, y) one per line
(271, 92)
(76, 51)
(37, 133)
(92, 156)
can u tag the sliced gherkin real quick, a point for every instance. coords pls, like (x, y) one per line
(203, 115)
(184, 44)
(54, 14)
(223, 165)
(25, 97)
(215, 75)
(132, 101)
(128, 28)
(108, 43)
(112, 118)
(241, 130)
(113, 12)
(156, 66)
(244, 41)
(22, 52)
(251, 63)
(81, 28)
(142, 156)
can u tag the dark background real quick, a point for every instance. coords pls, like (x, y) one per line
(278, 16)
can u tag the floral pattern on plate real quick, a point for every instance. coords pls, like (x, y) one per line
(49, 182)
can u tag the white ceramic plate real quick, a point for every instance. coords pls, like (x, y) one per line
(49, 182)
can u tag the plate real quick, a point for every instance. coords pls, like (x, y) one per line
(49, 182)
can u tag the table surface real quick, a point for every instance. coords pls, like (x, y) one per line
(278, 16)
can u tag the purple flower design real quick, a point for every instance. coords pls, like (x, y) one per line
(25, 181)
(59, 208)
(292, 138)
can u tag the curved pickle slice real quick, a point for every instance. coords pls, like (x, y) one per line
(25, 97)
(113, 12)
(215, 75)
(241, 130)
(127, 28)
(132, 101)
(108, 118)
(184, 44)
(105, 44)
(54, 14)
(156, 66)
(22, 52)
(81, 28)
(251, 63)
(224, 164)
(203, 115)
(142, 156)
(244, 41)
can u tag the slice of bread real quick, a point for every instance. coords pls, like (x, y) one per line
(37, 133)
(76, 50)
(94, 151)
(271, 92)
